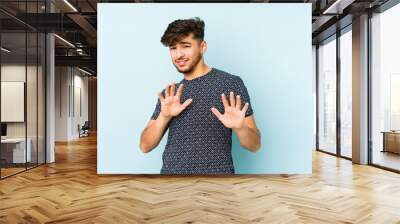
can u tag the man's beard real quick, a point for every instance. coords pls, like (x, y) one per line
(196, 61)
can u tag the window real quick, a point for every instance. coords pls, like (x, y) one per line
(22, 66)
(385, 88)
(346, 93)
(327, 96)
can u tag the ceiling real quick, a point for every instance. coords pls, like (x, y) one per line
(75, 21)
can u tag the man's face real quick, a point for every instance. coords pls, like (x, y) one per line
(187, 53)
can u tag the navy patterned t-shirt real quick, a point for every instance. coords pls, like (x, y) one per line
(198, 143)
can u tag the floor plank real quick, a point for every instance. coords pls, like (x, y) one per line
(70, 191)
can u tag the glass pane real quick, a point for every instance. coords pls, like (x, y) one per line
(41, 98)
(346, 93)
(14, 153)
(327, 96)
(32, 95)
(314, 66)
(386, 89)
(22, 89)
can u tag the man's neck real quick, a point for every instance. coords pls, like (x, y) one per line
(200, 70)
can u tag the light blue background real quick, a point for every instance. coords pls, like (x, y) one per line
(267, 45)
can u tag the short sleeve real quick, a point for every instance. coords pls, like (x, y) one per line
(157, 109)
(244, 95)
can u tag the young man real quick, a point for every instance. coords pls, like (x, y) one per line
(197, 111)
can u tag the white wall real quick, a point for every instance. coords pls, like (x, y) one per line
(15, 72)
(80, 84)
(71, 93)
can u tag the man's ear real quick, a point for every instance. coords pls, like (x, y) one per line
(203, 46)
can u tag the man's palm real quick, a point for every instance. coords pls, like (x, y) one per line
(233, 116)
(171, 104)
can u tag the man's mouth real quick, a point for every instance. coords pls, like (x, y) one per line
(181, 62)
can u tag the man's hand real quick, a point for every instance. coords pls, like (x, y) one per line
(234, 115)
(171, 104)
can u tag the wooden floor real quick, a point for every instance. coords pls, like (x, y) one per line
(70, 191)
(5, 172)
(387, 159)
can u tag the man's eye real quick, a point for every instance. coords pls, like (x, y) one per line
(186, 46)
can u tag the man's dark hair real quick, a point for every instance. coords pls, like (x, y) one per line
(181, 28)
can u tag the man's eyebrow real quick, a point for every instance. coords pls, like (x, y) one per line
(181, 42)
(184, 42)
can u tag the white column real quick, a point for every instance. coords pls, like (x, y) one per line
(50, 92)
(360, 90)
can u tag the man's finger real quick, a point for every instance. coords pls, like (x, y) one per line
(166, 91)
(187, 103)
(224, 101)
(246, 106)
(160, 96)
(232, 99)
(179, 91)
(216, 112)
(172, 92)
(238, 103)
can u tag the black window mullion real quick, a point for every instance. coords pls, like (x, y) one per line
(369, 90)
(338, 91)
(26, 86)
(0, 96)
(37, 90)
(317, 95)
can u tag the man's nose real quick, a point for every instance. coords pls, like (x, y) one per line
(179, 53)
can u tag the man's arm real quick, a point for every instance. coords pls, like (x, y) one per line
(249, 135)
(153, 133)
(235, 117)
(170, 106)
